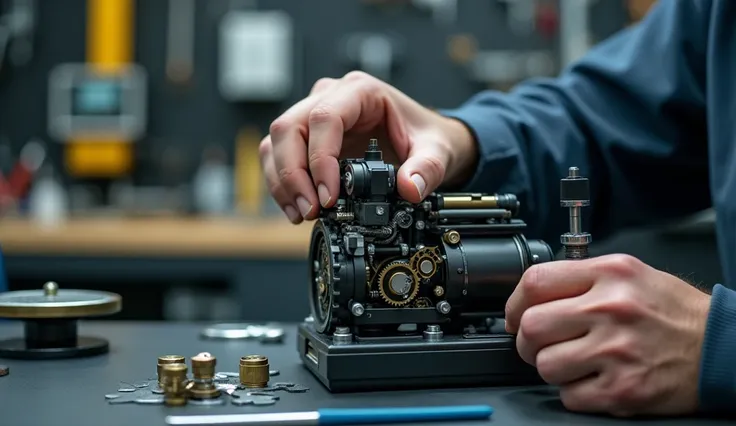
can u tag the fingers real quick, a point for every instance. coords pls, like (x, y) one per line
(277, 191)
(337, 112)
(546, 325)
(288, 138)
(423, 171)
(565, 362)
(547, 282)
(587, 395)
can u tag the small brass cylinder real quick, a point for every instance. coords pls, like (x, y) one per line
(203, 373)
(451, 237)
(164, 360)
(203, 366)
(175, 384)
(254, 371)
(470, 202)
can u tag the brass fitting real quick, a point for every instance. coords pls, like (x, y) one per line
(203, 373)
(175, 384)
(254, 371)
(164, 360)
(451, 237)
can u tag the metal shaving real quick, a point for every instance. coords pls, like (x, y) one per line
(273, 373)
(126, 389)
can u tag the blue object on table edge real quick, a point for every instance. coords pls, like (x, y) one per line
(340, 416)
(343, 416)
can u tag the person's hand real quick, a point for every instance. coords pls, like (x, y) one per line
(616, 335)
(337, 120)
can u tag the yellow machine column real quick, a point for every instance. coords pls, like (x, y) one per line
(98, 109)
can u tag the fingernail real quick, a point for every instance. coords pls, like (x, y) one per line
(324, 194)
(304, 206)
(419, 183)
(291, 213)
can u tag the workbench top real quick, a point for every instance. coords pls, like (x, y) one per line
(71, 392)
(222, 237)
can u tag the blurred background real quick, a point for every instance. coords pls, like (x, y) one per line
(129, 133)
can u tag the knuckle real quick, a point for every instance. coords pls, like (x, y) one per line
(279, 126)
(285, 174)
(357, 76)
(532, 324)
(317, 155)
(546, 367)
(264, 148)
(436, 167)
(623, 265)
(621, 348)
(532, 280)
(322, 113)
(574, 401)
(322, 84)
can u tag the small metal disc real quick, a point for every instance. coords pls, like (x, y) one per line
(152, 400)
(215, 401)
(243, 331)
(52, 302)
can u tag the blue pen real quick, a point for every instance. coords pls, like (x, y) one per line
(340, 416)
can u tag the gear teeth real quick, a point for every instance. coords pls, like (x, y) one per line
(382, 293)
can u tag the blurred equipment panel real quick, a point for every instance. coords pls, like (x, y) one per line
(17, 32)
(374, 53)
(180, 41)
(256, 56)
(99, 108)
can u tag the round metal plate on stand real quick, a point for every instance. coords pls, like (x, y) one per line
(50, 320)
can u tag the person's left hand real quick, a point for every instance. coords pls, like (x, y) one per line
(616, 335)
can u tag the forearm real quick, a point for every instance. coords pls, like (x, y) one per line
(630, 115)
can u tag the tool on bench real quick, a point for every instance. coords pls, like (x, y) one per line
(19, 178)
(343, 416)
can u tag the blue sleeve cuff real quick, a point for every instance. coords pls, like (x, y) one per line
(498, 150)
(717, 387)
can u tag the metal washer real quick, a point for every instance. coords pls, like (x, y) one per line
(50, 320)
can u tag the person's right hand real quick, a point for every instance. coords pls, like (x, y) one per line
(337, 120)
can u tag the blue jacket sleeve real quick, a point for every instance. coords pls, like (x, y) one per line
(717, 388)
(630, 114)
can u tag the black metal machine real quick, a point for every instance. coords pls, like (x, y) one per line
(412, 295)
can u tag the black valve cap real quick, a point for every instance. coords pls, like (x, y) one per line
(574, 189)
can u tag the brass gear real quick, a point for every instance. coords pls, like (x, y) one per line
(426, 253)
(386, 275)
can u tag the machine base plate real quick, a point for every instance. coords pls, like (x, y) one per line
(412, 363)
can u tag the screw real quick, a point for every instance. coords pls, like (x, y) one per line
(379, 211)
(357, 309)
(433, 327)
(443, 307)
(50, 288)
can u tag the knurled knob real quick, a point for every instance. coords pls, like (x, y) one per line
(254, 371)
(164, 360)
(175, 384)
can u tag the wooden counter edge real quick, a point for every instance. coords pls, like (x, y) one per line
(163, 237)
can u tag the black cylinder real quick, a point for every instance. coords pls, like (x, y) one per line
(48, 333)
(484, 271)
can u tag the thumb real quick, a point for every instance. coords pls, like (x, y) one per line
(422, 172)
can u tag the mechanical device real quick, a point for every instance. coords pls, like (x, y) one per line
(412, 295)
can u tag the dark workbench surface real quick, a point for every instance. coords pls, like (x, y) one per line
(71, 392)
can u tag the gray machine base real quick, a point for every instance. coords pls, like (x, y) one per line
(411, 363)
